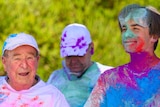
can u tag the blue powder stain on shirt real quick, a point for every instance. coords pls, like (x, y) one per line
(122, 96)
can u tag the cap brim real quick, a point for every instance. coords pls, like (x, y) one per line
(73, 51)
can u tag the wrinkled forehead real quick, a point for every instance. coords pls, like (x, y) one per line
(139, 16)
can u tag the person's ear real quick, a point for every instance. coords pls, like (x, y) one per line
(154, 38)
(4, 61)
(38, 57)
(92, 48)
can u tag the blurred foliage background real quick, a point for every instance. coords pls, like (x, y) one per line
(45, 20)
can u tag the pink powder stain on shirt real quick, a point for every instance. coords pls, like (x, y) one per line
(41, 103)
(4, 92)
(35, 98)
(4, 87)
(24, 105)
(19, 97)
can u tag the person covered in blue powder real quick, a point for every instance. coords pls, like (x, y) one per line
(79, 73)
(137, 83)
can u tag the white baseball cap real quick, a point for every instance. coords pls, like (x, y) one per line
(75, 40)
(15, 40)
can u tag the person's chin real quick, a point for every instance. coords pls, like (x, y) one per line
(75, 70)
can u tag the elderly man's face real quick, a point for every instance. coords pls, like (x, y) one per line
(21, 65)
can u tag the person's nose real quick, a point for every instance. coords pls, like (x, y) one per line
(73, 59)
(127, 34)
(24, 63)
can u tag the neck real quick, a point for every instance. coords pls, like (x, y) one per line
(19, 87)
(81, 73)
(142, 61)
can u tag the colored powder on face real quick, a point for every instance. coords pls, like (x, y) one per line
(140, 46)
(128, 34)
(140, 16)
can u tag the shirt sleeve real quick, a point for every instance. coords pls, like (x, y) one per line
(60, 100)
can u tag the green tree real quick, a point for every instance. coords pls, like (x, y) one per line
(45, 20)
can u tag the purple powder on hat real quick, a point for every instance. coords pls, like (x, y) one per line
(75, 40)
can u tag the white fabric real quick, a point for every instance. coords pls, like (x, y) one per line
(40, 95)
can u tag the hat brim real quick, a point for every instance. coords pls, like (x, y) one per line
(73, 51)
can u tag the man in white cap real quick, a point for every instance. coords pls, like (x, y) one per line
(21, 87)
(79, 74)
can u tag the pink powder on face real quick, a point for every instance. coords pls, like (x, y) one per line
(140, 46)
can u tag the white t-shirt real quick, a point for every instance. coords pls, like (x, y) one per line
(40, 95)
